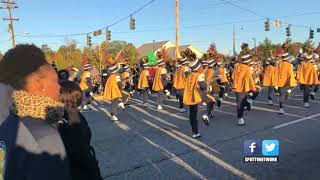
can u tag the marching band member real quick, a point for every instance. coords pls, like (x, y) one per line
(127, 84)
(86, 86)
(284, 79)
(255, 71)
(195, 93)
(243, 83)
(160, 82)
(112, 91)
(180, 82)
(308, 75)
(222, 78)
(269, 73)
(204, 64)
(143, 83)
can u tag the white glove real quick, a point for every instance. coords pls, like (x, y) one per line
(91, 94)
(276, 87)
(289, 91)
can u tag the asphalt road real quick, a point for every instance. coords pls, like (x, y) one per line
(148, 144)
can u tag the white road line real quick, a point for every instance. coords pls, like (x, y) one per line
(205, 153)
(296, 121)
(267, 110)
(154, 117)
(261, 102)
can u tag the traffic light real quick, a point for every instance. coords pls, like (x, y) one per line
(288, 31)
(267, 25)
(89, 44)
(132, 23)
(108, 35)
(311, 34)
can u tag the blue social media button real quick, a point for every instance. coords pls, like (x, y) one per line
(252, 148)
(270, 148)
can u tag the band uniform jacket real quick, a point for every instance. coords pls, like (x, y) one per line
(308, 73)
(222, 74)
(143, 82)
(284, 75)
(175, 78)
(157, 83)
(269, 73)
(83, 82)
(242, 79)
(191, 95)
(112, 90)
(181, 77)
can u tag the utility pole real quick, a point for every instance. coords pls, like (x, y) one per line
(254, 42)
(177, 30)
(10, 19)
(234, 41)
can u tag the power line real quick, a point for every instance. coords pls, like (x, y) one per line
(256, 14)
(110, 25)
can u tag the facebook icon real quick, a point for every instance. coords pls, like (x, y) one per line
(252, 148)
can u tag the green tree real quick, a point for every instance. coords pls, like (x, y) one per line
(307, 43)
(1, 56)
(68, 55)
(264, 47)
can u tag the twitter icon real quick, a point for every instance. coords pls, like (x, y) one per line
(270, 148)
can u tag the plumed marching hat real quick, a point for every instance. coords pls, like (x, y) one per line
(285, 56)
(178, 65)
(87, 66)
(145, 65)
(245, 53)
(195, 65)
(160, 62)
(126, 67)
(308, 56)
(183, 61)
(211, 62)
(204, 63)
(246, 58)
(113, 68)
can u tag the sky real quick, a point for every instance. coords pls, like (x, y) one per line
(201, 21)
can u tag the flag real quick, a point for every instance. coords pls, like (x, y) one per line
(277, 23)
(152, 57)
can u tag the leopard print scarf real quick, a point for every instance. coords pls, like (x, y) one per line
(39, 107)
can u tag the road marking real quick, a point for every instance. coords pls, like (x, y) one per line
(165, 112)
(296, 121)
(152, 116)
(267, 110)
(175, 158)
(261, 102)
(205, 153)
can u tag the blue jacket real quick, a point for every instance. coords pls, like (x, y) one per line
(33, 150)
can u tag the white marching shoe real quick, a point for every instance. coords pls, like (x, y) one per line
(159, 107)
(86, 107)
(241, 122)
(182, 110)
(281, 111)
(114, 118)
(312, 94)
(196, 135)
(167, 93)
(205, 119)
(121, 105)
(270, 102)
(306, 105)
